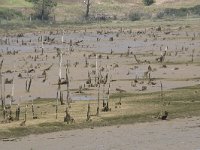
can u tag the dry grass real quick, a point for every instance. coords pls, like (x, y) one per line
(74, 10)
(134, 108)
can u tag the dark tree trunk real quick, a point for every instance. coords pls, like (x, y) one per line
(87, 8)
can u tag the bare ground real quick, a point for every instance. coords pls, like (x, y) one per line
(178, 134)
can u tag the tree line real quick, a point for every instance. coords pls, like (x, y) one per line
(43, 8)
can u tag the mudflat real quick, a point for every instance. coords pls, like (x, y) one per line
(174, 134)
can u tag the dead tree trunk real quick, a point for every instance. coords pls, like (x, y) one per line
(162, 57)
(137, 60)
(68, 117)
(104, 103)
(67, 82)
(106, 107)
(42, 45)
(13, 88)
(61, 98)
(88, 4)
(57, 105)
(96, 72)
(3, 94)
(163, 113)
(1, 85)
(4, 113)
(23, 123)
(25, 114)
(89, 81)
(88, 113)
(33, 112)
(192, 55)
(60, 75)
(28, 85)
(98, 99)
(17, 112)
(86, 62)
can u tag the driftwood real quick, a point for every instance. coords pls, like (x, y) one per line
(120, 90)
(48, 68)
(137, 60)
(76, 43)
(31, 70)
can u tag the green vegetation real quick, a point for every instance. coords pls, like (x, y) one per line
(181, 12)
(135, 16)
(72, 12)
(9, 14)
(14, 4)
(148, 2)
(43, 8)
(181, 102)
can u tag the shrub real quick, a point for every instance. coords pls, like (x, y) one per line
(181, 12)
(134, 16)
(148, 2)
(159, 15)
(9, 14)
(195, 10)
